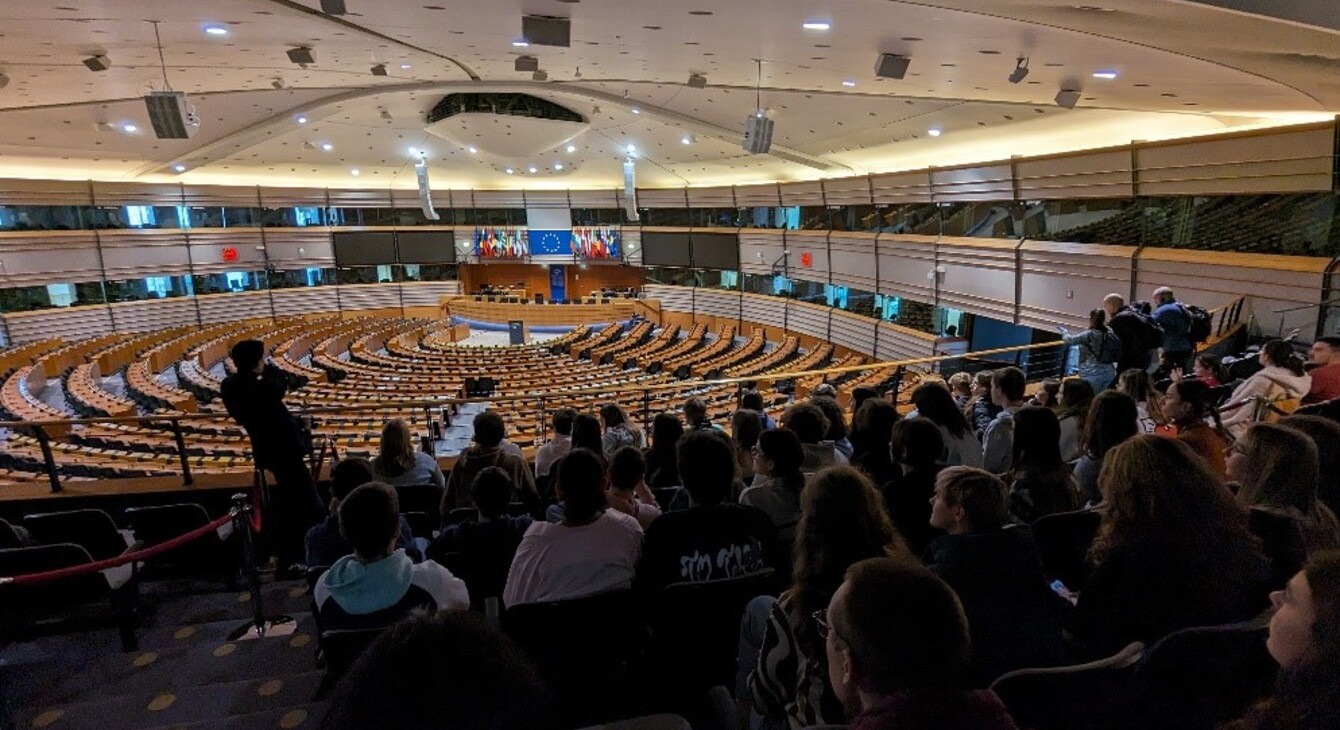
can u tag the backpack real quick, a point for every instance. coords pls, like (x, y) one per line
(1149, 336)
(1110, 351)
(1201, 322)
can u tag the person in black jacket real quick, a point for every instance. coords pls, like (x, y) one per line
(1140, 336)
(254, 397)
(1013, 616)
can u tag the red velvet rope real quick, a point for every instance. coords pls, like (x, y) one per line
(94, 567)
(255, 514)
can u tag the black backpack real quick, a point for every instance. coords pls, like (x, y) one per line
(1201, 322)
(1149, 335)
(1110, 352)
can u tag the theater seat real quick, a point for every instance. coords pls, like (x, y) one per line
(91, 529)
(1092, 696)
(210, 553)
(107, 596)
(1063, 541)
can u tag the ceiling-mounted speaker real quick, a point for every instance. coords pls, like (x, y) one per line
(892, 66)
(538, 75)
(542, 30)
(4, 81)
(527, 63)
(757, 134)
(333, 7)
(697, 81)
(1067, 98)
(380, 70)
(170, 115)
(99, 62)
(301, 56)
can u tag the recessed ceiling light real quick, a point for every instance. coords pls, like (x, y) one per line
(816, 25)
(129, 128)
(179, 168)
(521, 43)
(935, 131)
(355, 172)
(509, 171)
(405, 67)
(848, 82)
(301, 119)
(572, 148)
(472, 150)
(216, 29)
(533, 169)
(1105, 74)
(327, 146)
(635, 110)
(558, 166)
(686, 139)
(631, 149)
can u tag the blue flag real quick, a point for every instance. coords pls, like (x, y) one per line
(550, 242)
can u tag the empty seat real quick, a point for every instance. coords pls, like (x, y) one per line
(103, 596)
(1202, 676)
(91, 529)
(1092, 696)
(158, 524)
(1063, 541)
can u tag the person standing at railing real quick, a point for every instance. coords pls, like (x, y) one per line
(1141, 337)
(254, 397)
(1324, 367)
(1099, 351)
(1169, 313)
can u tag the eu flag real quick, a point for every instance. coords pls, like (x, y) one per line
(550, 243)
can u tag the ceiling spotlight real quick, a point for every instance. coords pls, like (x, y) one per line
(631, 149)
(99, 62)
(386, 115)
(355, 172)
(276, 83)
(509, 171)
(635, 110)
(129, 128)
(472, 150)
(179, 168)
(697, 81)
(301, 119)
(301, 55)
(1109, 75)
(1020, 71)
(848, 82)
(521, 43)
(216, 29)
(333, 7)
(380, 70)
(558, 166)
(816, 25)
(327, 146)
(935, 131)
(572, 148)
(1067, 98)
(526, 63)
(538, 75)
(414, 150)
(405, 67)
(533, 169)
(686, 139)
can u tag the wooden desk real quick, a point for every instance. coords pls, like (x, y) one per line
(537, 314)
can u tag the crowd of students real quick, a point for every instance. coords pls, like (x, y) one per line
(909, 574)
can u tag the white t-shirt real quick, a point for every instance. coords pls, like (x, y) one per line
(555, 562)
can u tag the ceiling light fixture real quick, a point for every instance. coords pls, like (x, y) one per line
(632, 150)
(301, 119)
(558, 166)
(521, 43)
(129, 128)
(215, 29)
(533, 169)
(327, 146)
(1109, 75)
(1020, 71)
(98, 62)
(686, 139)
(405, 67)
(572, 148)
(355, 172)
(472, 150)
(848, 82)
(509, 171)
(179, 168)
(635, 110)
(816, 25)
(935, 131)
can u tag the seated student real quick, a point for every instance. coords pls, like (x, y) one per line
(1040, 482)
(777, 458)
(620, 430)
(711, 539)
(627, 487)
(593, 550)
(932, 401)
(440, 670)
(1140, 387)
(558, 447)
(981, 409)
(1013, 615)
(810, 424)
(898, 654)
(379, 584)
(1282, 376)
(1325, 433)
(753, 400)
(662, 471)
(486, 543)
(695, 415)
(1305, 640)
(876, 419)
(1324, 362)
(1173, 550)
(1111, 420)
(324, 542)
(916, 446)
(745, 427)
(1007, 393)
(1275, 469)
(1072, 410)
(489, 432)
(1189, 406)
(1205, 367)
(837, 424)
(399, 464)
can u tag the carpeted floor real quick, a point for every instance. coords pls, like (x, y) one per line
(186, 673)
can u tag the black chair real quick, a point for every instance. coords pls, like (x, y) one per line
(1203, 676)
(339, 649)
(1092, 696)
(665, 496)
(9, 537)
(695, 629)
(210, 553)
(1063, 541)
(419, 498)
(108, 595)
(582, 647)
(91, 529)
(312, 575)
(421, 523)
(459, 515)
(471, 387)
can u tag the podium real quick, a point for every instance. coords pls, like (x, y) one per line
(517, 332)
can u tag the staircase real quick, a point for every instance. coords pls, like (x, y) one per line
(186, 674)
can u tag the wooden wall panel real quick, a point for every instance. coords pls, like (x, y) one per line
(33, 258)
(1293, 160)
(899, 188)
(816, 245)
(45, 192)
(802, 193)
(305, 300)
(848, 191)
(854, 332)
(360, 198)
(901, 343)
(135, 254)
(208, 246)
(853, 260)
(1061, 282)
(594, 199)
(978, 277)
(761, 250)
(978, 182)
(111, 194)
(152, 315)
(717, 197)
(224, 196)
(903, 264)
(551, 199)
(753, 196)
(1094, 174)
(216, 308)
(673, 198)
(299, 247)
(68, 323)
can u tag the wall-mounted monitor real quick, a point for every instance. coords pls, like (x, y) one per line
(426, 247)
(665, 249)
(364, 248)
(716, 251)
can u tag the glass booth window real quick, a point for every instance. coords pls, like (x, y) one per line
(230, 281)
(861, 302)
(297, 278)
(886, 307)
(150, 287)
(141, 216)
(427, 272)
(51, 296)
(383, 274)
(41, 218)
(291, 217)
(672, 275)
(716, 279)
(597, 217)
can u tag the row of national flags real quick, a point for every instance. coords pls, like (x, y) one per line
(514, 243)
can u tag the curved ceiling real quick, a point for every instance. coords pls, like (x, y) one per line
(1181, 67)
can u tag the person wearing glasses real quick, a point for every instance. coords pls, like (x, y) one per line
(897, 649)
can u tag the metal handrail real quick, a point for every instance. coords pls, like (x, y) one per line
(595, 390)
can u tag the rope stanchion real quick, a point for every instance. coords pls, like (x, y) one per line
(247, 518)
(100, 565)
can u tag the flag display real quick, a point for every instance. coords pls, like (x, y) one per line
(550, 242)
(501, 243)
(595, 243)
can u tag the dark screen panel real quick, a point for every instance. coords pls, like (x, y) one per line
(716, 251)
(426, 247)
(665, 249)
(364, 248)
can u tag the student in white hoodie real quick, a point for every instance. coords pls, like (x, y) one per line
(1282, 377)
